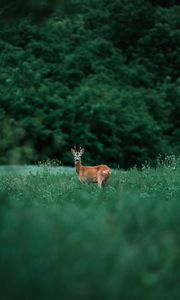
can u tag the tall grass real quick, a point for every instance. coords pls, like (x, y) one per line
(61, 239)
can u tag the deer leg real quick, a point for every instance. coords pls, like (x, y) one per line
(105, 181)
(100, 179)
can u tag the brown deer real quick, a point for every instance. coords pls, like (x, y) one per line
(88, 174)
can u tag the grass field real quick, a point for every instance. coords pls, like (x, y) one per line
(64, 240)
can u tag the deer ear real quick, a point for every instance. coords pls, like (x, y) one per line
(82, 151)
(72, 150)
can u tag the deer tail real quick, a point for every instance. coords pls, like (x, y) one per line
(106, 172)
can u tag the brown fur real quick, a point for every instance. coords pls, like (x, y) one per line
(97, 174)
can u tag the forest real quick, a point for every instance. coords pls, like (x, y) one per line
(99, 74)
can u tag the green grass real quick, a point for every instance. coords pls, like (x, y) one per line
(61, 239)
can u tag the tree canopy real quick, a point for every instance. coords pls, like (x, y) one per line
(100, 74)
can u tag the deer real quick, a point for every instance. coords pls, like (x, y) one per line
(87, 174)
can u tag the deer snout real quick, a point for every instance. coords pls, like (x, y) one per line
(77, 159)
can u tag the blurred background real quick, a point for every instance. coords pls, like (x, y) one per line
(99, 74)
(104, 75)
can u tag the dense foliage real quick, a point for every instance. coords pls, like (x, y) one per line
(102, 74)
(64, 240)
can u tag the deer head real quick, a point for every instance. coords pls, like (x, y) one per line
(77, 153)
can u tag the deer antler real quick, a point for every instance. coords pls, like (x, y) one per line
(81, 150)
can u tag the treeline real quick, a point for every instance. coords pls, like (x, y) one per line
(100, 74)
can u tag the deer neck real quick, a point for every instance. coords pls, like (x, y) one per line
(78, 166)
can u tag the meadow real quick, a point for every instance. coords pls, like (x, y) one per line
(61, 239)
